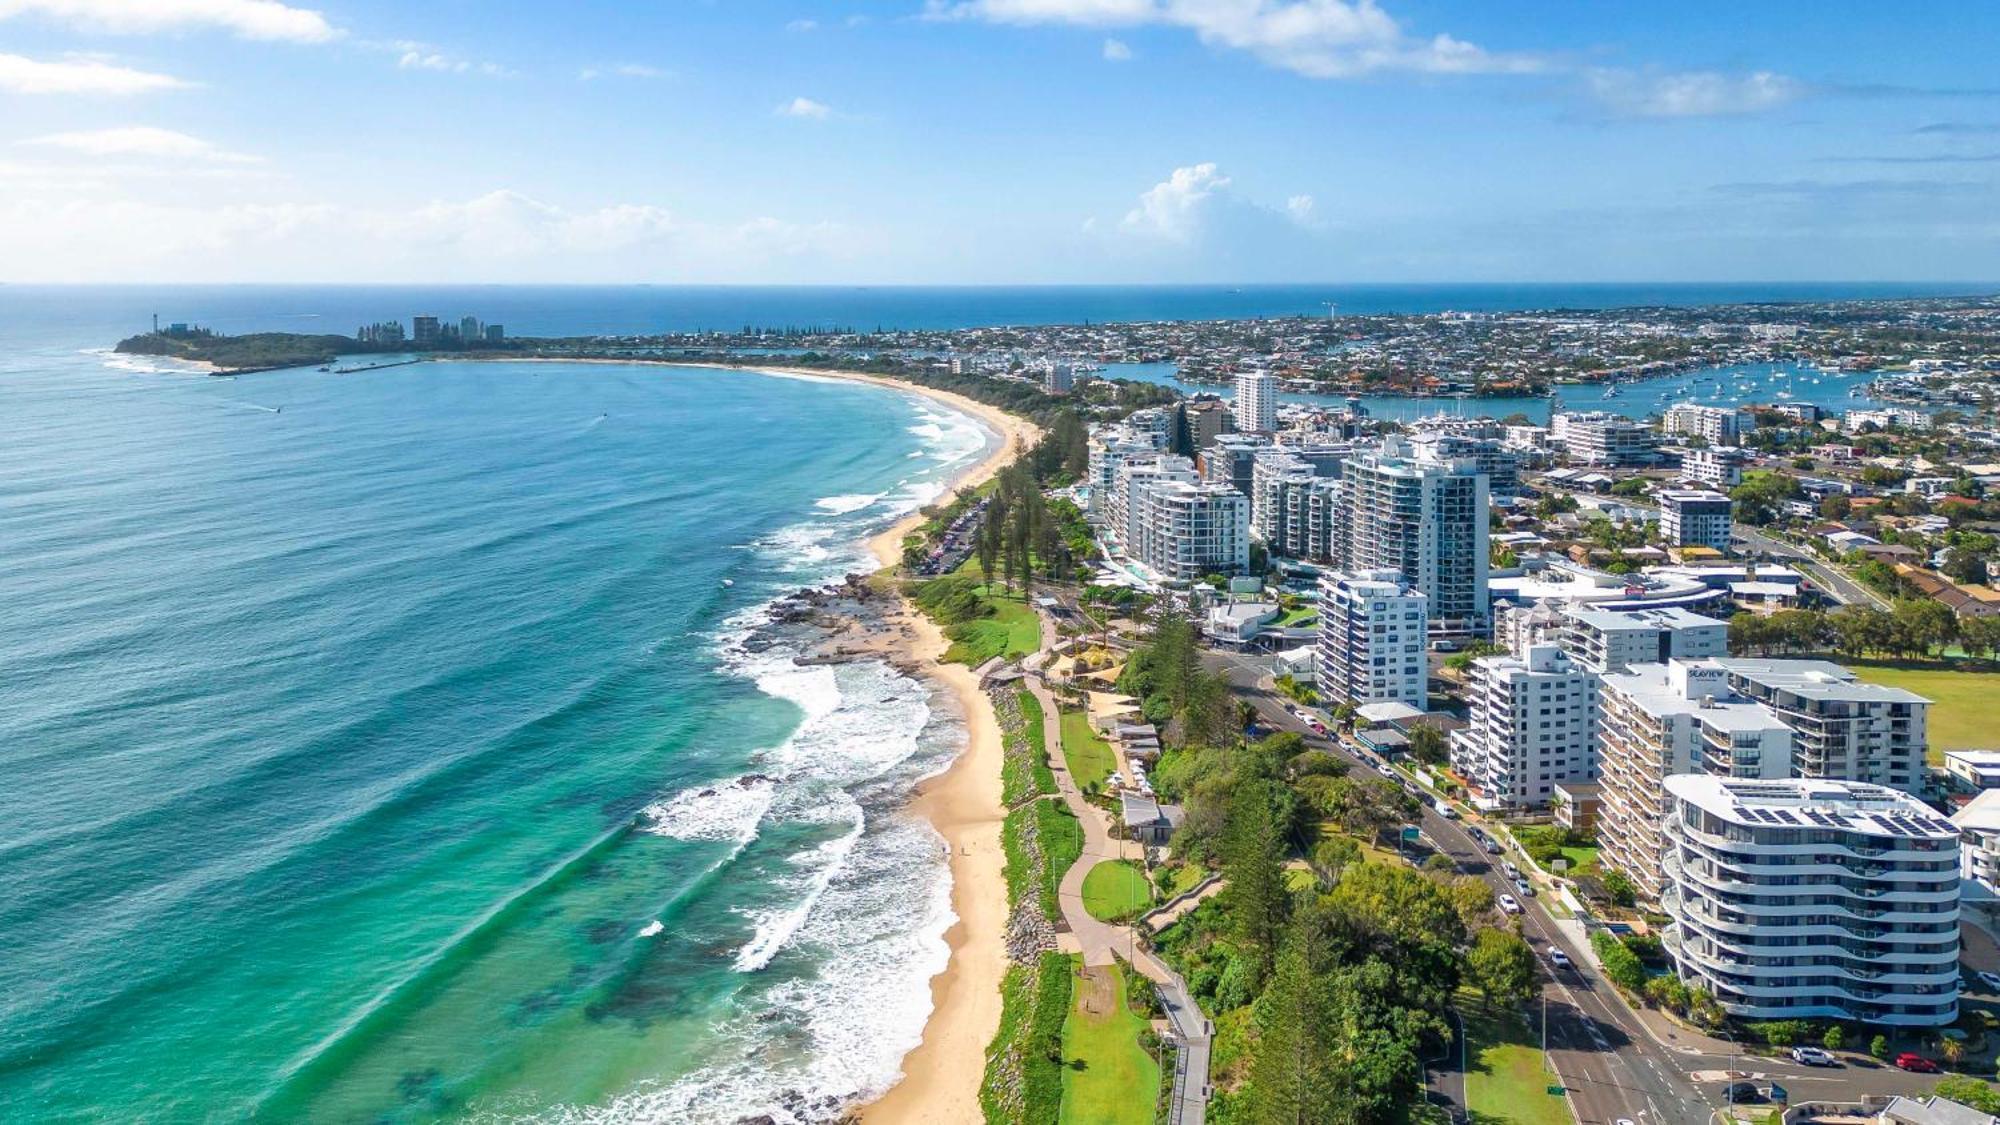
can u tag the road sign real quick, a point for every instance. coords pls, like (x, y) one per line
(1411, 832)
(1559, 865)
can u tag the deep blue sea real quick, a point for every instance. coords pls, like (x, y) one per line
(383, 746)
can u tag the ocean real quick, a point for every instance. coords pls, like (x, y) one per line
(387, 746)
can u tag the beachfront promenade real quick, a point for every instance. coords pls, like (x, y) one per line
(1101, 943)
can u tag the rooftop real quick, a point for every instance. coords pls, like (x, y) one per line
(1815, 679)
(1850, 806)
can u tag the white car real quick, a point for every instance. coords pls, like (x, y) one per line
(1813, 1056)
(1990, 980)
(1512, 871)
(1445, 810)
(1558, 958)
(1509, 904)
(1386, 770)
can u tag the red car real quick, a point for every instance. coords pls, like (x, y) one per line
(1917, 1063)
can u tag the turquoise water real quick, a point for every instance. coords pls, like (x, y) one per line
(383, 747)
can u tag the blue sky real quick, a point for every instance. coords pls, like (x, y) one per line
(983, 141)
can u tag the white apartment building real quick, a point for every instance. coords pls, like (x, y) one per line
(1804, 899)
(1372, 630)
(1110, 447)
(1842, 728)
(1425, 520)
(1979, 844)
(1183, 530)
(1716, 467)
(1533, 726)
(1123, 511)
(1694, 517)
(1602, 438)
(1256, 406)
(1717, 425)
(1654, 722)
(1609, 640)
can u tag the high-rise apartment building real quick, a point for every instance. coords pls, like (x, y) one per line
(1812, 900)
(1841, 728)
(1609, 640)
(1717, 425)
(1533, 726)
(1425, 520)
(1602, 438)
(1695, 517)
(1655, 721)
(1372, 628)
(1256, 408)
(424, 331)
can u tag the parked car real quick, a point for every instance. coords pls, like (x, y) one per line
(1558, 958)
(1445, 810)
(1526, 888)
(1509, 904)
(1813, 1056)
(1915, 1063)
(1990, 980)
(1512, 871)
(1385, 770)
(1490, 846)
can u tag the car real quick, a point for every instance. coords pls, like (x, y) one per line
(1509, 904)
(1990, 980)
(1915, 1063)
(1490, 846)
(1318, 727)
(1738, 1093)
(1813, 1056)
(1445, 810)
(1512, 871)
(1558, 958)
(1526, 888)
(1386, 770)
(1623, 1121)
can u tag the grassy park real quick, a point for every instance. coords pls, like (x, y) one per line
(1504, 1081)
(1084, 750)
(1116, 890)
(1108, 1076)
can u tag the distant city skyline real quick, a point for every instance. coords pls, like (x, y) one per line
(996, 142)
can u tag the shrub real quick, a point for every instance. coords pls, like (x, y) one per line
(1621, 965)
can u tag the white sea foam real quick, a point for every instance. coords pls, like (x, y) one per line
(726, 811)
(776, 927)
(653, 927)
(145, 364)
(841, 505)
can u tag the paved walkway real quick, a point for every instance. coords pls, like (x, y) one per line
(1101, 943)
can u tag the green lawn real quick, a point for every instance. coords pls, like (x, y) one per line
(1062, 843)
(1961, 718)
(1297, 616)
(1183, 878)
(1011, 630)
(1085, 751)
(1108, 1077)
(1504, 1082)
(1116, 890)
(1579, 858)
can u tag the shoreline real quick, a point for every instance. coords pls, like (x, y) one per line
(940, 1076)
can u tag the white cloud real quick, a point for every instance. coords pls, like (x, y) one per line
(1172, 209)
(1115, 50)
(620, 70)
(22, 75)
(247, 19)
(1698, 93)
(416, 56)
(1316, 38)
(141, 141)
(805, 108)
(1300, 208)
(802, 25)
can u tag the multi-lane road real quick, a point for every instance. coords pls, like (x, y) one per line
(1609, 1063)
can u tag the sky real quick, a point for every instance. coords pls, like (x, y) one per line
(997, 141)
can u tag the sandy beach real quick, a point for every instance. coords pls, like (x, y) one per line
(942, 1074)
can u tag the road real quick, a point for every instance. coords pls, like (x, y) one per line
(1830, 579)
(1612, 1066)
(1604, 1058)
